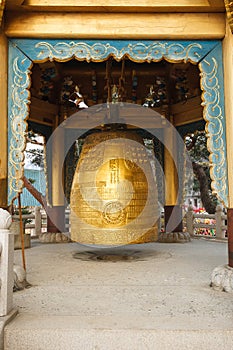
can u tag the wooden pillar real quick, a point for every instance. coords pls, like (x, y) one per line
(230, 235)
(3, 119)
(56, 214)
(56, 219)
(172, 210)
(228, 85)
(173, 218)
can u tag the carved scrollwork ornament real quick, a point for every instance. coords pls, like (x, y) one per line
(229, 10)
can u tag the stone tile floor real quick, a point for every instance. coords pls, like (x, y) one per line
(155, 291)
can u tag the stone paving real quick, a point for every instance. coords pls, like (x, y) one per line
(156, 296)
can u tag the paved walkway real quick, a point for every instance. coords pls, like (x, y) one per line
(158, 297)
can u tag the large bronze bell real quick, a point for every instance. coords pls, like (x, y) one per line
(114, 194)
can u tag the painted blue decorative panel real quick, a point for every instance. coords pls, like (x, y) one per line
(93, 50)
(206, 53)
(18, 100)
(213, 101)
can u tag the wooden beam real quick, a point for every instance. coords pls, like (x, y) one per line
(126, 6)
(170, 171)
(115, 26)
(2, 7)
(187, 112)
(216, 3)
(42, 112)
(186, 118)
(4, 134)
(228, 85)
(119, 2)
(13, 4)
(229, 9)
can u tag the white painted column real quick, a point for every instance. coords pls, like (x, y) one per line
(6, 263)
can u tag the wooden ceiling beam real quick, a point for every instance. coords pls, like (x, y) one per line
(216, 3)
(2, 7)
(187, 112)
(172, 26)
(229, 9)
(13, 4)
(120, 5)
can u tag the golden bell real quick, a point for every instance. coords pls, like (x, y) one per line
(114, 194)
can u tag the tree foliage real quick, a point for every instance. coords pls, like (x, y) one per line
(196, 144)
(35, 154)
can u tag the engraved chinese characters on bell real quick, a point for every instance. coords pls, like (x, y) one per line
(114, 194)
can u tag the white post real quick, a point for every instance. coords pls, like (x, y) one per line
(6, 263)
(219, 222)
(38, 222)
(189, 221)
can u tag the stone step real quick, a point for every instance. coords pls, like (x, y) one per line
(111, 333)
